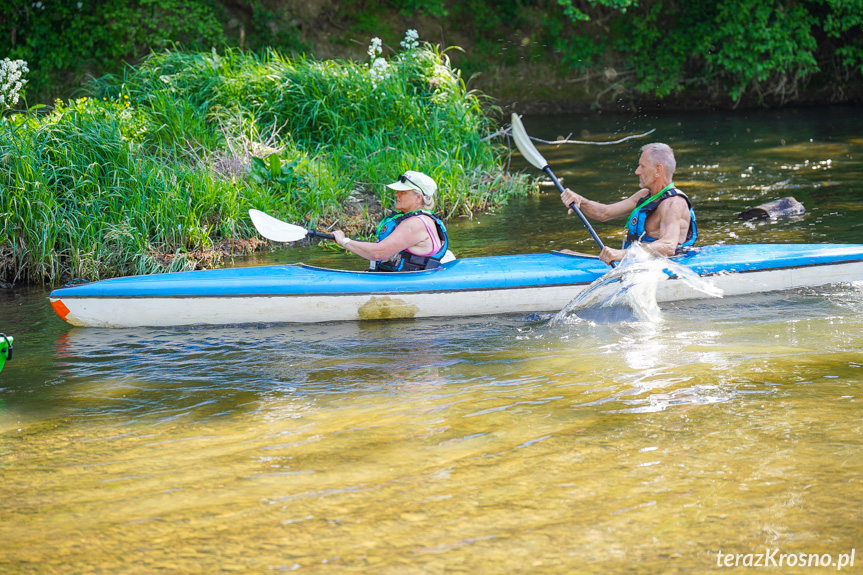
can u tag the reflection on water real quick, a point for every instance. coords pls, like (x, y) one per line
(491, 445)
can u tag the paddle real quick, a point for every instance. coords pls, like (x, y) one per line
(532, 155)
(280, 231)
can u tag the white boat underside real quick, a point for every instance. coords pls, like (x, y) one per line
(312, 308)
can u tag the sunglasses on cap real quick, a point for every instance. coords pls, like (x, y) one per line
(404, 179)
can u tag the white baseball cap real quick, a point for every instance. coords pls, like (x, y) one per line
(415, 181)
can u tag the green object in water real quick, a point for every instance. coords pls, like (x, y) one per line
(5, 349)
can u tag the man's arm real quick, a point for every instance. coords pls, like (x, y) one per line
(598, 211)
(674, 218)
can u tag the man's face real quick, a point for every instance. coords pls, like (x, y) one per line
(646, 171)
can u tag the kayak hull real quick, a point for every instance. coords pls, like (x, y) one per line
(466, 287)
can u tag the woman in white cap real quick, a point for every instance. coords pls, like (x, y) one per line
(410, 239)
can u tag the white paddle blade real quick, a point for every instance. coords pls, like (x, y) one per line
(525, 146)
(274, 229)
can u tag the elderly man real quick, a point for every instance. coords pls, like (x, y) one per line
(659, 213)
(412, 238)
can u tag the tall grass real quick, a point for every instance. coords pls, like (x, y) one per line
(166, 160)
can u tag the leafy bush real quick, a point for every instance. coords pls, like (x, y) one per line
(768, 51)
(63, 41)
(730, 50)
(161, 164)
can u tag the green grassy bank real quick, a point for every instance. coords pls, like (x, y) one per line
(156, 169)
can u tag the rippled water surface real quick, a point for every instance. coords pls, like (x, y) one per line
(481, 445)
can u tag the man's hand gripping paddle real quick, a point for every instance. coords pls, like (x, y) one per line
(530, 153)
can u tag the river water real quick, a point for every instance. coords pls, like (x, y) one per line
(477, 445)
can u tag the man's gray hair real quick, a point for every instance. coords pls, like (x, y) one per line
(661, 154)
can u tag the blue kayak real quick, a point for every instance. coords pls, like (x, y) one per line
(463, 287)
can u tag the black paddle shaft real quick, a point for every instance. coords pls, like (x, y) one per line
(584, 221)
(316, 233)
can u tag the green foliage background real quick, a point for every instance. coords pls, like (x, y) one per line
(719, 53)
(201, 109)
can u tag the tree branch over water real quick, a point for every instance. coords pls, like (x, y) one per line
(568, 141)
(508, 132)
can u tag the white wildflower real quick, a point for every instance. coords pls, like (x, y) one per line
(375, 48)
(11, 81)
(411, 40)
(379, 71)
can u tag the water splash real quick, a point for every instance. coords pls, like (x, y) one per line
(628, 292)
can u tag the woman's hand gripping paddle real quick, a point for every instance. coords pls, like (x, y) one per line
(279, 231)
